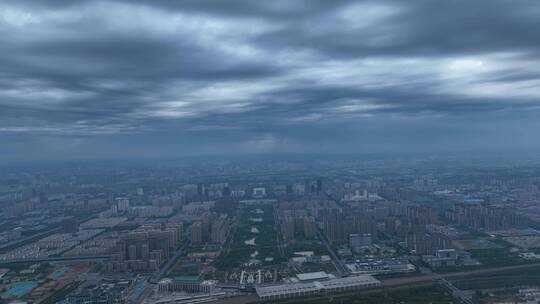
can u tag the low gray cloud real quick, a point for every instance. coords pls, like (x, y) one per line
(124, 78)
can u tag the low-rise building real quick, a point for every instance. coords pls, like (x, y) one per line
(187, 284)
(315, 288)
(385, 266)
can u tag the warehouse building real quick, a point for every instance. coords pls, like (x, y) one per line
(187, 284)
(315, 288)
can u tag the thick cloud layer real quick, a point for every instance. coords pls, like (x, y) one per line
(100, 79)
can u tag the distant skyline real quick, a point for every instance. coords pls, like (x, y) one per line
(113, 79)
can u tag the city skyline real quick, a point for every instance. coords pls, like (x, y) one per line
(266, 152)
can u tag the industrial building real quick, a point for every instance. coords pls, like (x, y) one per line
(295, 290)
(384, 266)
(190, 284)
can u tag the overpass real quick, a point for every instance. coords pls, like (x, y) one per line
(460, 295)
(57, 259)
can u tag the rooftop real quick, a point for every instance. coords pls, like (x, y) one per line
(310, 276)
(362, 280)
(187, 278)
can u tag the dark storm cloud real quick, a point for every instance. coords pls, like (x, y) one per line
(249, 76)
(416, 28)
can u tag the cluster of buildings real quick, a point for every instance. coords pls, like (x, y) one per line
(316, 285)
(381, 267)
(215, 191)
(411, 227)
(146, 248)
(101, 291)
(529, 295)
(295, 223)
(51, 245)
(442, 258)
(308, 257)
(101, 245)
(355, 225)
(210, 228)
(485, 217)
(189, 284)
(339, 223)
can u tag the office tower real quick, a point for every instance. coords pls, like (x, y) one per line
(219, 229)
(196, 233)
(135, 246)
(122, 204)
(289, 189)
(178, 227)
(201, 191)
(310, 228)
(287, 227)
(159, 240)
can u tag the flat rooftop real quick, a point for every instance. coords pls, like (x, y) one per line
(310, 276)
(304, 287)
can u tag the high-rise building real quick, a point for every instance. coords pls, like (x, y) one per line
(70, 225)
(196, 233)
(319, 186)
(287, 228)
(310, 228)
(227, 191)
(160, 240)
(289, 189)
(201, 191)
(333, 225)
(135, 246)
(179, 228)
(122, 204)
(299, 189)
(219, 229)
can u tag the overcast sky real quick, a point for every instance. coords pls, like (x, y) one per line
(108, 79)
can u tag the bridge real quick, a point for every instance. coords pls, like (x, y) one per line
(458, 294)
(57, 259)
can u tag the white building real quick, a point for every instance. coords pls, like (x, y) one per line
(186, 284)
(259, 192)
(315, 288)
(122, 204)
(385, 266)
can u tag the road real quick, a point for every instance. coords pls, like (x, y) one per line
(31, 238)
(337, 262)
(170, 263)
(28, 239)
(58, 259)
(453, 275)
(460, 295)
(244, 299)
(280, 239)
(144, 289)
(230, 237)
(138, 291)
